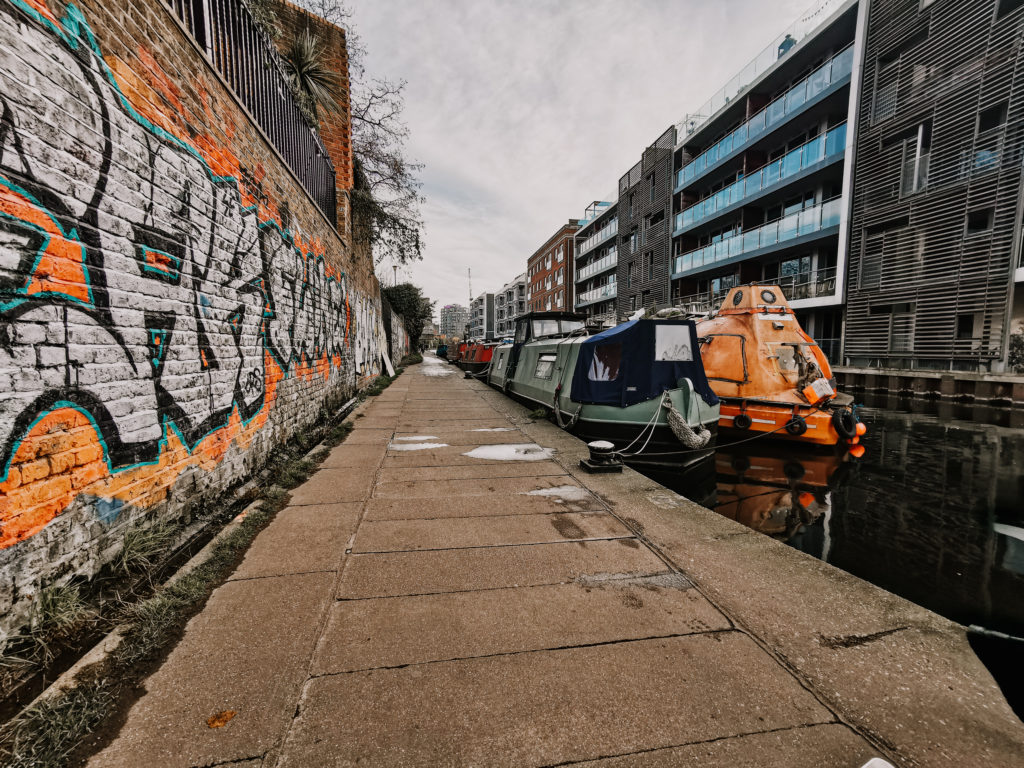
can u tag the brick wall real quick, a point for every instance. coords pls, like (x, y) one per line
(549, 272)
(172, 304)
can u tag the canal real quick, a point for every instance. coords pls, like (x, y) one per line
(931, 511)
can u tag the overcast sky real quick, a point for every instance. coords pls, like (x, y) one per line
(524, 111)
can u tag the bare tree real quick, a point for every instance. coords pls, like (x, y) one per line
(386, 196)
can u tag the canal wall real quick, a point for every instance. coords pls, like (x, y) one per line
(173, 305)
(997, 389)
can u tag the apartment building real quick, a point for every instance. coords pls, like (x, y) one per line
(761, 175)
(935, 236)
(453, 321)
(549, 272)
(645, 207)
(509, 303)
(481, 317)
(596, 256)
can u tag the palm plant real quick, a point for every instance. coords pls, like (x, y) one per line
(316, 84)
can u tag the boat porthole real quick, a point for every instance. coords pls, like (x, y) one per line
(742, 421)
(796, 426)
(737, 298)
(768, 297)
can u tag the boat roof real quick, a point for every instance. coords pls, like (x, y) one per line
(754, 297)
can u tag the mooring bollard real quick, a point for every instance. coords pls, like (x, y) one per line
(602, 458)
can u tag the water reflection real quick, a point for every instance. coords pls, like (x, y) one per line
(931, 512)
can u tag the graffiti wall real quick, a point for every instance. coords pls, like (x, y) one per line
(165, 317)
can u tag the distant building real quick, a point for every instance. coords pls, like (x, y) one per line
(429, 334)
(936, 278)
(597, 261)
(549, 272)
(509, 303)
(481, 317)
(453, 321)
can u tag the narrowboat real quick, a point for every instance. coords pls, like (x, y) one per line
(456, 351)
(478, 357)
(442, 351)
(639, 385)
(771, 377)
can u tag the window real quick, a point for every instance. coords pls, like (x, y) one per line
(649, 263)
(1008, 6)
(980, 220)
(653, 186)
(545, 366)
(631, 204)
(645, 298)
(672, 343)
(631, 275)
(632, 241)
(632, 303)
(606, 363)
(965, 326)
(993, 117)
(916, 155)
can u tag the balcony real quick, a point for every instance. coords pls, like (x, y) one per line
(813, 285)
(701, 303)
(609, 291)
(789, 229)
(598, 237)
(610, 261)
(830, 75)
(821, 149)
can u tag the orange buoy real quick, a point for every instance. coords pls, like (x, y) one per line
(861, 428)
(857, 451)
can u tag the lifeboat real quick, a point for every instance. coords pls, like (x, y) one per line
(771, 377)
(478, 357)
(640, 385)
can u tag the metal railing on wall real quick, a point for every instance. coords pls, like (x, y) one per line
(252, 67)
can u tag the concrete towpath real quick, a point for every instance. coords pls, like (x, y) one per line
(450, 589)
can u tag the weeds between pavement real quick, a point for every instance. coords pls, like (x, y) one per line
(56, 731)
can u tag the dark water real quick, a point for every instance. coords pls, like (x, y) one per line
(933, 510)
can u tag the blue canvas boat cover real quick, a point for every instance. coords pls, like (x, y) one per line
(637, 361)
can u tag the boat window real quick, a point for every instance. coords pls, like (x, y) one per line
(545, 366)
(607, 361)
(672, 343)
(570, 326)
(520, 333)
(544, 328)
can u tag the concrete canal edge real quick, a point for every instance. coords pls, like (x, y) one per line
(904, 677)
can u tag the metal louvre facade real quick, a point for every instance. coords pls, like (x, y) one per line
(935, 209)
(645, 211)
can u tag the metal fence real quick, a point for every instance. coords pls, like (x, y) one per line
(251, 65)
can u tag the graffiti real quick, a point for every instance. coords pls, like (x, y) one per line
(149, 303)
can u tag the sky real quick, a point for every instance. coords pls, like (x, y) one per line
(523, 112)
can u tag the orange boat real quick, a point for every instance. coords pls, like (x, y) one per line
(772, 377)
(478, 357)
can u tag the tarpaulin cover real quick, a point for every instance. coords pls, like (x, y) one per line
(637, 361)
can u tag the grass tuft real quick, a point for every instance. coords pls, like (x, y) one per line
(143, 547)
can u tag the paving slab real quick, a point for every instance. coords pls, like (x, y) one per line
(549, 707)
(351, 455)
(473, 471)
(247, 651)
(415, 508)
(369, 436)
(830, 745)
(389, 632)
(301, 540)
(451, 533)
(500, 486)
(334, 485)
(452, 570)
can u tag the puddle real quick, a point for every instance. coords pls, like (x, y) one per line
(436, 367)
(511, 452)
(494, 429)
(416, 446)
(561, 493)
(418, 437)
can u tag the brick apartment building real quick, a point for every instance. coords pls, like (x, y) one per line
(549, 272)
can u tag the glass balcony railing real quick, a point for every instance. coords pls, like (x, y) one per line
(811, 285)
(609, 291)
(599, 237)
(609, 261)
(808, 22)
(832, 71)
(829, 145)
(805, 222)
